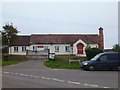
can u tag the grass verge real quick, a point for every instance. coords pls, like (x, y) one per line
(62, 62)
(10, 62)
(13, 59)
(61, 65)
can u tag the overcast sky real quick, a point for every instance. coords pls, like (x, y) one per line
(64, 18)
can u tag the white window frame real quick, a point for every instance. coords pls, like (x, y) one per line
(24, 49)
(57, 49)
(34, 48)
(16, 49)
(67, 48)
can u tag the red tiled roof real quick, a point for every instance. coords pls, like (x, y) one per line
(63, 38)
(55, 39)
(22, 41)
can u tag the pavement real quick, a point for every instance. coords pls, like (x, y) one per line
(33, 74)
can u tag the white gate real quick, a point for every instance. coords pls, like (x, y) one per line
(37, 55)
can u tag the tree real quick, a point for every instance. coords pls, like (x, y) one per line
(9, 35)
(116, 48)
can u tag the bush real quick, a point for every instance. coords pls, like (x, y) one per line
(116, 48)
(91, 52)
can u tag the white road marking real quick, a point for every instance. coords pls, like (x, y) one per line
(31, 75)
(6, 72)
(73, 82)
(94, 85)
(45, 78)
(14, 73)
(106, 87)
(22, 74)
(26, 75)
(55, 79)
(34, 76)
(86, 84)
(58, 80)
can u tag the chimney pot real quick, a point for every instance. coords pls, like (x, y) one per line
(100, 28)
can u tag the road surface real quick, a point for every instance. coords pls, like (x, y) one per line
(33, 74)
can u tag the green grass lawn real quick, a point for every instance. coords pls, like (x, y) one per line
(10, 62)
(62, 61)
(13, 59)
(61, 65)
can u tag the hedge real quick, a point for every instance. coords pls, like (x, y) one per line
(91, 52)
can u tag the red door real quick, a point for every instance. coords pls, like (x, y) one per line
(80, 48)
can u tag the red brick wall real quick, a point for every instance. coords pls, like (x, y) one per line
(101, 38)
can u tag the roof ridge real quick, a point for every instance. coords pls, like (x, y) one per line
(59, 34)
(23, 35)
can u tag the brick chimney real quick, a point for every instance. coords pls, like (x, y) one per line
(101, 38)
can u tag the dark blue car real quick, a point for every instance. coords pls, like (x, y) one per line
(103, 61)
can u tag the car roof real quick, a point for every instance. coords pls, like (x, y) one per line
(111, 53)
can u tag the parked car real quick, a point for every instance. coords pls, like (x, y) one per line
(103, 61)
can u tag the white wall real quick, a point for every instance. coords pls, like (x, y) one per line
(85, 45)
(93, 45)
(61, 49)
(31, 47)
(52, 48)
(20, 52)
(75, 47)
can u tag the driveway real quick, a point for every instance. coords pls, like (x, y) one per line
(33, 74)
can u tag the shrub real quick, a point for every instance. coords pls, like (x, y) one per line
(116, 48)
(91, 52)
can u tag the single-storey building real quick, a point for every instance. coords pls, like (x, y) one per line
(60, 44)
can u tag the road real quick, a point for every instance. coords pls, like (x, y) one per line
(33, 74)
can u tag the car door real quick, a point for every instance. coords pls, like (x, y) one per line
(102, 62)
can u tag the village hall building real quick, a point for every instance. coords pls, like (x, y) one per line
(60, 44)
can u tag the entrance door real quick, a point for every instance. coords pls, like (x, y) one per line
(80, 48)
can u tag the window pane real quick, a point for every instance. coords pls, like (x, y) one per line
(45, 47)
(103, 58)
(34, 48)
(67, 48)
(23, 49)
(15, 49)
(113, 57)
(56, 48)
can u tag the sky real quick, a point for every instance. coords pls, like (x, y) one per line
(63, 18)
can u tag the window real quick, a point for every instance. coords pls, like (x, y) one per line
(23, 49)
(103, 58)
(34, 48)
(15, 49)
(56, 48)
(45, 47)
(67, 48)
(113, 57)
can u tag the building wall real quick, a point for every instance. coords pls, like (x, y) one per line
(61, 51)
(75, 47)
(52, 48)
(20, 52)
(94, 45)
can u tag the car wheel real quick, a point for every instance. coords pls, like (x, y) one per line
(118, 68)
(92, 68)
